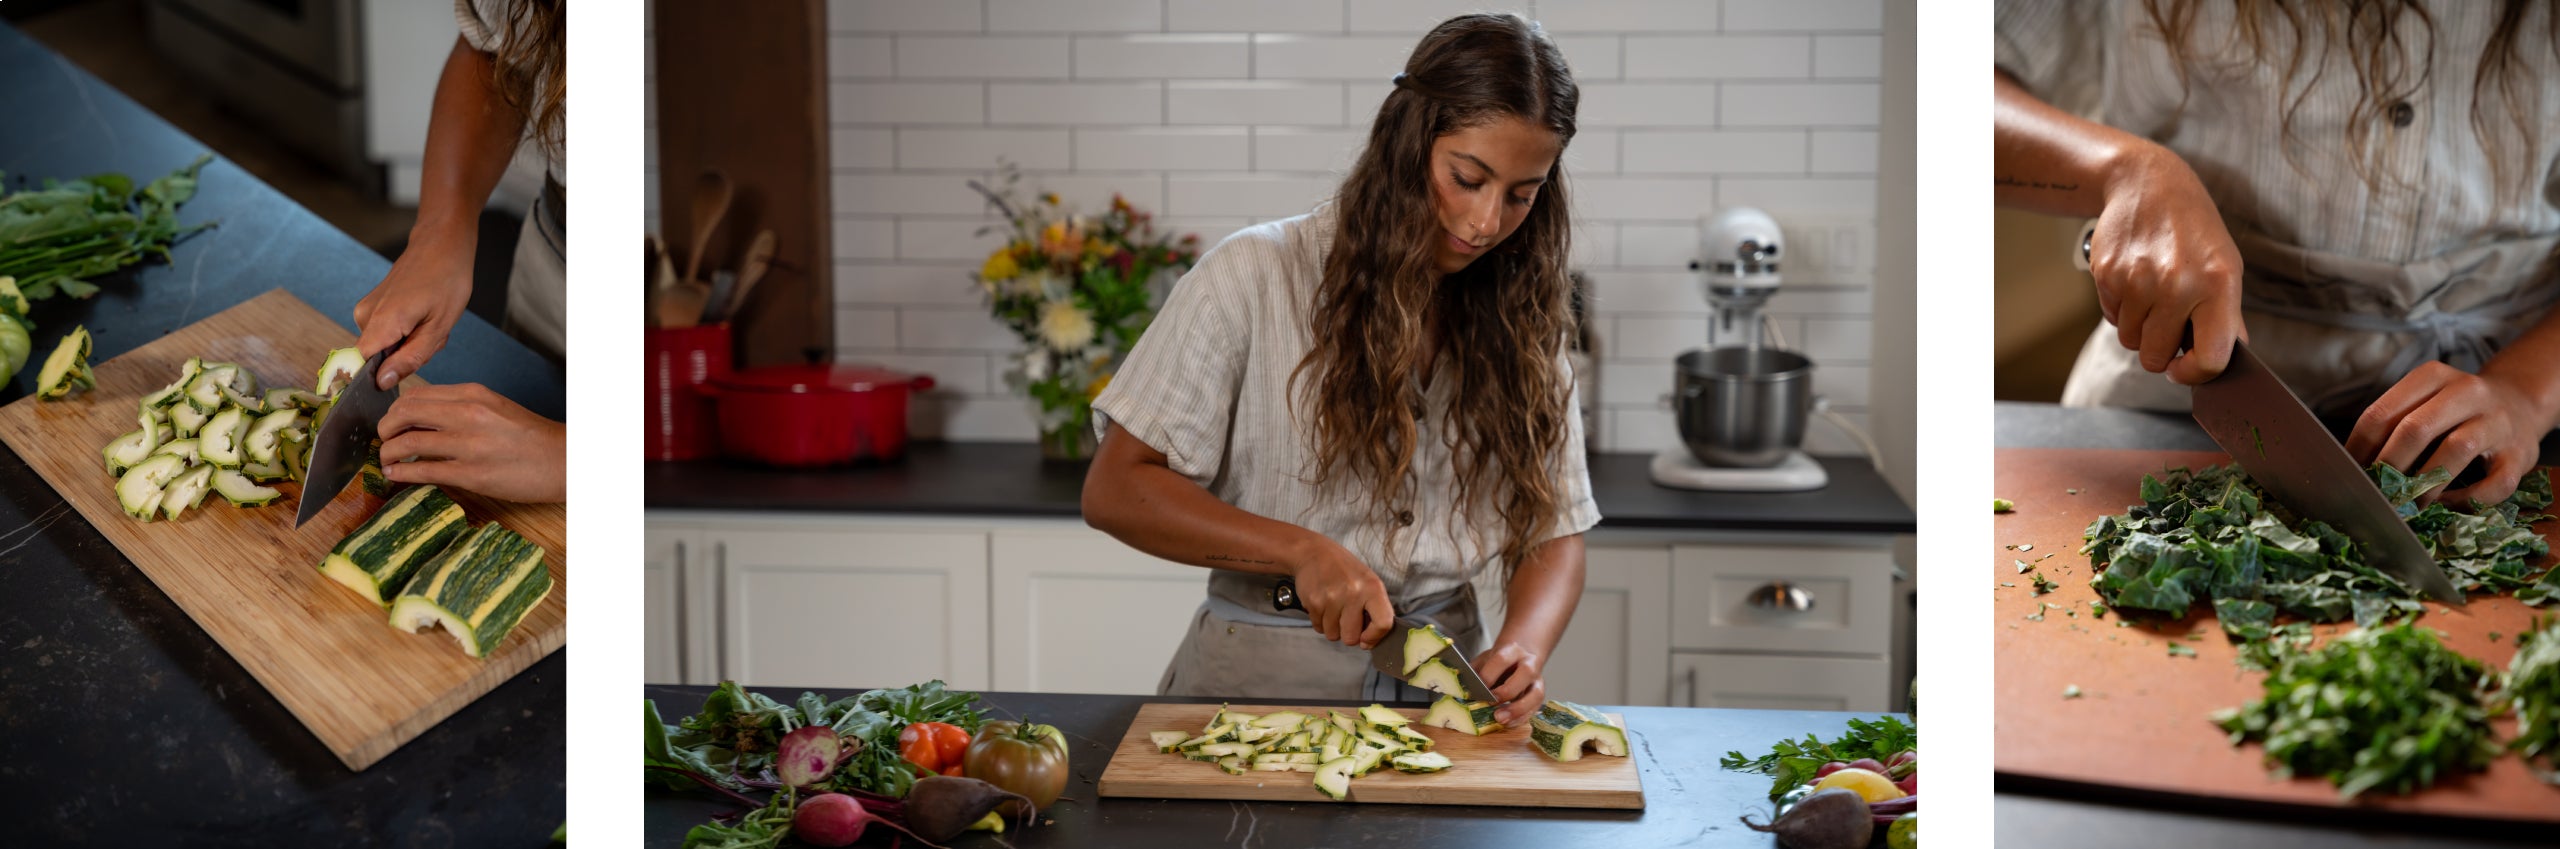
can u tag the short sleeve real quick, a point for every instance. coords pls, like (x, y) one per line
(1177, 390)
(484, 23)
(2055, 49)
(1576, 512)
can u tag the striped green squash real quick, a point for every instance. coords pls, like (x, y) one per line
(478, 589)
(1561, 729)
(379, 558)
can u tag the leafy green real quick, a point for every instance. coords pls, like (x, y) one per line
(57, 237)
(2381, 709)
(762, 828)
(2531, 688)
(1792, 763)
(732, 740)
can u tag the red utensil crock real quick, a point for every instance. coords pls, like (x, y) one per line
(679, 417)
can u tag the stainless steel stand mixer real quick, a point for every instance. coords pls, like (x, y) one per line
(1742, 401)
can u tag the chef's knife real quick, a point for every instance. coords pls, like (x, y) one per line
(346, 432)
(1388, 655)
(2252, 415)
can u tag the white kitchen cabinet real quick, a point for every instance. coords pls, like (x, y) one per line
(1616, 649)
(850, 607)
(1076, 611)
(1780, 682)
(1792, 599)
(668, 584)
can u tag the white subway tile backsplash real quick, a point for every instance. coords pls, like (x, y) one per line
(1837, 338)
(1821, 436)
(1076, 103)
(1819, 299)
(1075, 15)
(854, 56)
(1714, 152)
(1718, 57)
(1412, 18)
(1164, 148)
(850, 148)
(1361, 99)
(970, 57)
(1649, 105)
(1658, 338)
(979, 148)
(931, 284)
(1210, 229)
(1251, 16)
(1086, 193)
(1682, 198)
(1657, 246)
(1595, 244)
(1844, 152)
(1258, 195)
(1592, 57)
(1006, 418)
(1845, 385)
(1242, 102)
(953, 374)
(1782, 195)
(1644, 430)
(1593, 152)
(1859, 56)
(1650, 292)
(1634, 383)
(1562, 16)
(906, 103)
(903, 16)
(1162, 56)
(865, 327)
(1750, 15)
(1295, 149)
(1800, 104)
(1329, 57)
(953, 329)
(866, 238)
(948, 239)
(906, 194)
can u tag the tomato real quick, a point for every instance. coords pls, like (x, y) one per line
(1022, 758)
(934, 747)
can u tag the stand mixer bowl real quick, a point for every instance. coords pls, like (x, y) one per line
(1742, 407)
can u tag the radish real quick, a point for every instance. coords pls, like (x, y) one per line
(807, 756)
(835, 819)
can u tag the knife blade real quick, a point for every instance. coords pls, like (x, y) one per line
(1388, 655)
(2265, 427)
(347, 429)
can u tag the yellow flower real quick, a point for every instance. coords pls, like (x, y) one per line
(1050, 198)
(1065, 326)
(1000, 266)
(1095, 391)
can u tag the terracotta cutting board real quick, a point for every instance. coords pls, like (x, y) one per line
(250, 579)
(1496, 769)
(2142, 719)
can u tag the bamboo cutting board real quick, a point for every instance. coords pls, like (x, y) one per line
(250, 579)
(2142, 720)
(1496, 769)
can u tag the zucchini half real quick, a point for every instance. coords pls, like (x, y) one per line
(478, 589)
(1561, 729)
(340, 367)
(67, 366)
(140, 490)
(380, 557)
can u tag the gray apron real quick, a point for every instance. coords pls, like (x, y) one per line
(1240, 648)
(2342, 330)
(538, 288)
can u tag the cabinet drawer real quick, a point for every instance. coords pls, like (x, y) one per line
(1780, 682)
(1722, 594)
(850, 609)
(1079, 612)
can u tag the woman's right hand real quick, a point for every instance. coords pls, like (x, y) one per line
(2164, 262)
(427, 290)
(1342, 595)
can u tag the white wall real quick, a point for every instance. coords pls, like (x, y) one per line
(1217, 114)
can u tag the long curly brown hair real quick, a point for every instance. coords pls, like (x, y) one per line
(1501, 323)
(533, 73)
(2299, 36)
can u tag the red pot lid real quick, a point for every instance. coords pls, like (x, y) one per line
(812, 378)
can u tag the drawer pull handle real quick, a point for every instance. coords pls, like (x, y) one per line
(1780, 595)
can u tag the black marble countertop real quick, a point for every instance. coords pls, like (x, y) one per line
(1010, 479)
(1689, 801)
(2032, 813)
(121, 722)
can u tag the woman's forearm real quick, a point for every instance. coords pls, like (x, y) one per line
(1542, 595)
(2050, 161)
(1131, 494)
(471, 136)
(2525, 364)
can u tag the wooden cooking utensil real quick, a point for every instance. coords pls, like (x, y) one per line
(759, 261)
(710, 203)
(681, 306)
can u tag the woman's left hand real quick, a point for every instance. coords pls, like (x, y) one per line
(2479, 416)
(1517, 675)
(466, 436)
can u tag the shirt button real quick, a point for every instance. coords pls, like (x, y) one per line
(2402, 114)
(1404, 517)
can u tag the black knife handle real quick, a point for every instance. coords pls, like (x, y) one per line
(1284, 596)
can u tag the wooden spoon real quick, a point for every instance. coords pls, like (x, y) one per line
(759, 260)
(710, 204)
(681, 306)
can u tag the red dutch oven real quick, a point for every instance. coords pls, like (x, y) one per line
(813, 415)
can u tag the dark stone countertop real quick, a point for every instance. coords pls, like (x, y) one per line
(1009, 479)
(2032, 813)
(121, 722)
(1689, 801)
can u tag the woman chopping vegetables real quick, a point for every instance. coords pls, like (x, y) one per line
(504, 77)
(1371, 400)
(2368, 193)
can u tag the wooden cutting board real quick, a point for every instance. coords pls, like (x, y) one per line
(1496, 769)
(2142, 719)
(250, 579)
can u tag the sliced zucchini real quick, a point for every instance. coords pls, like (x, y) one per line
(282, 397)
(342, 365)
(1366, 759)
(1282, 719)
(186, 491)
(1382, 717)
(249, 401)
(1333, 779)
(1233, 765)
(127, 450)
(1420, 644)
(478, 589)
(381, 556)
(1414, 740)
(1415, 762)
(190, 450)
(169, 394)
(140, 490)
(235, 486)
(370, 474)
(259, 444)
(220, 437)
(1561, 729)
(266, 473)
(294, 449)
(186, 420)
(67, 367)
(12, 302)
(1221, 750)
(1469, 717)
(1167, 742)
(1438, 677)
(1342, 722)
(204, 393)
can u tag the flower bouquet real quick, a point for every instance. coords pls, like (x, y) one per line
(1078, 289)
